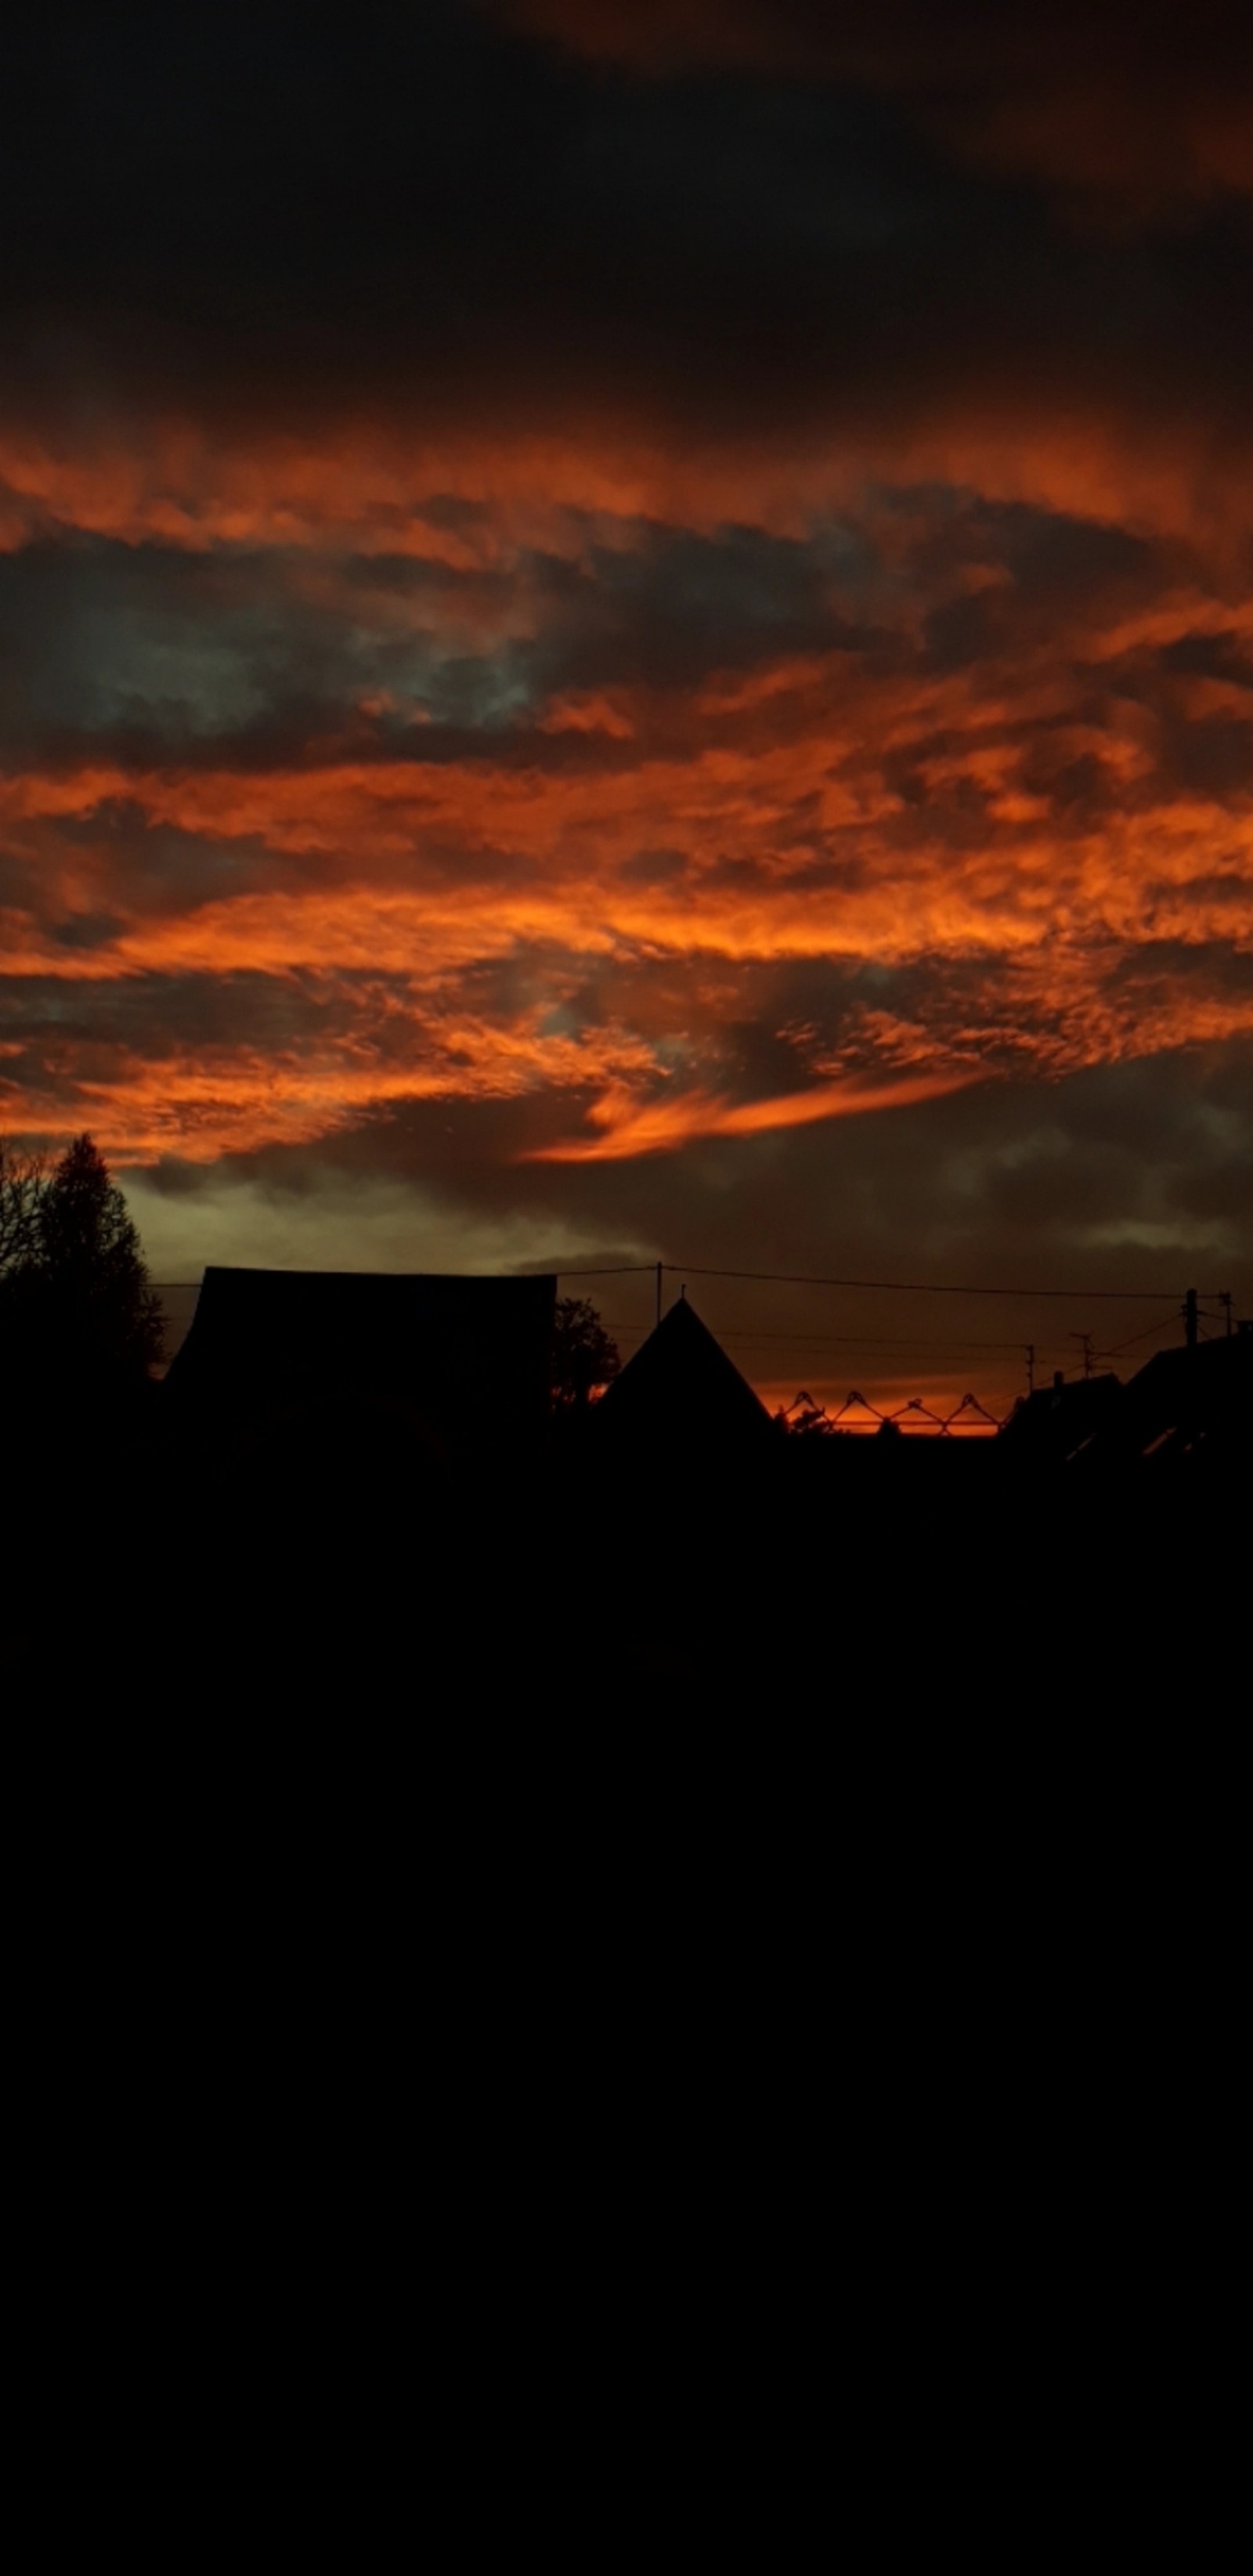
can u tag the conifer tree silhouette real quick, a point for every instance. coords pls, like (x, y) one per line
(78, 1304)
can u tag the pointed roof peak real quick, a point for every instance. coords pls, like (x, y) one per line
(682, 1384)
(682, 1316)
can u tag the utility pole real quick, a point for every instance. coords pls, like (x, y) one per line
(1086, 1339)
(1224, 1300)
(1190, 1326)
(1031, 1368)
(659, 1292)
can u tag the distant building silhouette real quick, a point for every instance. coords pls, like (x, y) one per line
(1192, 1404)
(1057, 1423)
(380, 1392)
(680, 1395)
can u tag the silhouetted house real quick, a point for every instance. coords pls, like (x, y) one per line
(1059, 1423)
(1193, 1405)
(327, 1371)
(681, 1397)
(1186, 1408)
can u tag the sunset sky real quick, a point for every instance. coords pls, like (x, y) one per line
(627, 632)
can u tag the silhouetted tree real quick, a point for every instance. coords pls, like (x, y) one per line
(21, 1181)
(803, 1419)
(76, 1303)
(585, 1357)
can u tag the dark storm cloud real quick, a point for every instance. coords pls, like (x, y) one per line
(294, 213)
(245, 654)
(1100, 98)
(158, 648)
(141, 1014)
(1155, 1159)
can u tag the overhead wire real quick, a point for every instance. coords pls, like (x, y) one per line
(1112, 1349)
(942, 1349)
(911, 1287)
(853, 1341)
(901, 1287)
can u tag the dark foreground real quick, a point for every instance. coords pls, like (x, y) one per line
(849, 1580)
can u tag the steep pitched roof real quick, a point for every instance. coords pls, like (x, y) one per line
(1057, 1422)
(1183, 1400)
(467, 1357)
(681, 1389)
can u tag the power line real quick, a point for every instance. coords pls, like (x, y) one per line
(854, 1341)
(1132, 1338)
(903, 1287)
(910, 1287)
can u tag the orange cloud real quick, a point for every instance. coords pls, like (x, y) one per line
(1023, 827)
(355, 486)
(661, 1125)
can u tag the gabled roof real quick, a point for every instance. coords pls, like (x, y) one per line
(1059, 1421)
(1182, 1399)
(468, 1357)
(681, 1389)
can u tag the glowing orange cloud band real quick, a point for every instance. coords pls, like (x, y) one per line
(382, 884)
(664, 1124)
(357, 488)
